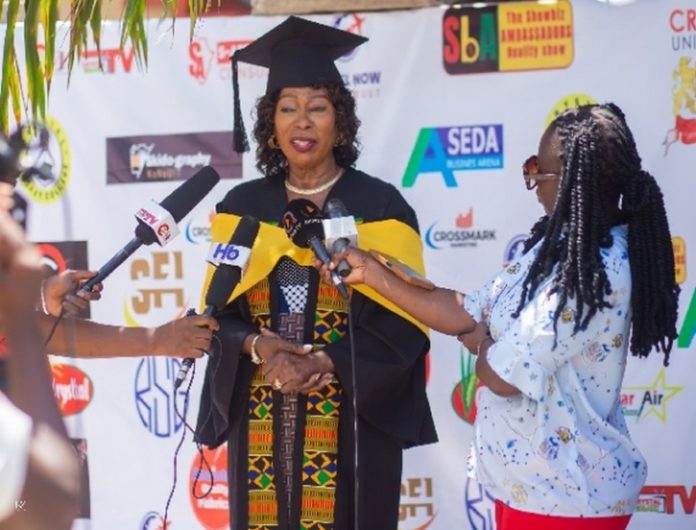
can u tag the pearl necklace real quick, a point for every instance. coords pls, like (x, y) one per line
(318, 189)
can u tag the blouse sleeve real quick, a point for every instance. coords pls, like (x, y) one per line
(528, 352)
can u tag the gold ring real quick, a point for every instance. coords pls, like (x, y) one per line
(277, 384)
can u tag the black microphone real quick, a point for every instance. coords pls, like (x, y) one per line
(340, 231)
(232, 258)
(302, 221)
(154, 224)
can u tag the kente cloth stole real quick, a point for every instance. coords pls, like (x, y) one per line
(320, 451)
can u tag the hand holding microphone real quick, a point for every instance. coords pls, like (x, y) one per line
(302, 221)
(231, 258)
(157, 222)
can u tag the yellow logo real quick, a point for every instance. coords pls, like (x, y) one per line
(683, 104)
(679, 246)
(568, 102)
(50, 151)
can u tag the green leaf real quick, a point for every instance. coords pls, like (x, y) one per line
(7, 63)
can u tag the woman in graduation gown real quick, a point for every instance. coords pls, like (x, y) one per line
(288, 418)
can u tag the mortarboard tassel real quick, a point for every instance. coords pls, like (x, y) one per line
(240, 143)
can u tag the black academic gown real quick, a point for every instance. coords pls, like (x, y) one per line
(394, 412)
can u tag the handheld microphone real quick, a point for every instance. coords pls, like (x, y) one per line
(302, 221)
(226, 277)
(339, 231)
(157, 222)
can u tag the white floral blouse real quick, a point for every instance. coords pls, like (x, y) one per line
(561, 446)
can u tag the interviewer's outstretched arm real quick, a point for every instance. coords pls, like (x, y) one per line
(440, 309)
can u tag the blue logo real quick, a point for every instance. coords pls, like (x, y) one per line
(480, 506)
(445, 150)
(155, 396)
(153, 521)
(514, 249)
(197, 233)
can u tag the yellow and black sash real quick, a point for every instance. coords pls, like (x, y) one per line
(390, 237)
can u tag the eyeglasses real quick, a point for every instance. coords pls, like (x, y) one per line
(530, 171)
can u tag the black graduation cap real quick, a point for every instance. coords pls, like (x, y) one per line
(297, 53)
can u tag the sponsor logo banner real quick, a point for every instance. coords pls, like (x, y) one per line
(507, 37)
(461, 235)
(665, 499)
(156, 158)
(49, 150)
(417, 509)
(72, 387)
(652, 399)
(682, 25)
(209, 488)
(443, 150)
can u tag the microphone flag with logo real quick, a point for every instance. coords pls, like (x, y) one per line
(226, 276)
(157, 222)
(339, 231)
(302, 222)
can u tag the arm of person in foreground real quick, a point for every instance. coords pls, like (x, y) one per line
(75, 337)
(48, 499)
(440, 309)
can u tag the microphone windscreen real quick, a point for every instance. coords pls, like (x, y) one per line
(182, 200)
(335, 208)
(227, 276)
(302, 221)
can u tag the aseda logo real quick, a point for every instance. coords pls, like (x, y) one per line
(444, 150)
(507, 37)
(155, 399)
(72, 387)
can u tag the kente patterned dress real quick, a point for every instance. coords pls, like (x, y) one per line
(291, 457)
(560, 447)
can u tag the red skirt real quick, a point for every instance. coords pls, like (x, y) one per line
(507, 518)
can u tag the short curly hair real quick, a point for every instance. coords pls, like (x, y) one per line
(272, 162)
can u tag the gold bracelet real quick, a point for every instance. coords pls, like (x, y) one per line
(255, 357)
(478, 346)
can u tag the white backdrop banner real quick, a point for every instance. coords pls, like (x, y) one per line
(451, 101)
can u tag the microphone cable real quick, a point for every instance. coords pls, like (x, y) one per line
(353, 376)
(204, 462)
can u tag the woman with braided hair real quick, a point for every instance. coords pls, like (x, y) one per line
(551, 331)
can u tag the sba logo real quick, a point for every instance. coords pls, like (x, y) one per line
(445, 149)
(470, 40)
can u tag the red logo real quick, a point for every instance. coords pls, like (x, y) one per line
(208, 489)
(663, 499)
(204, 58)
(72, 387)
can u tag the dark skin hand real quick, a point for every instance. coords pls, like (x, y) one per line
(296, 367)
(62, 292)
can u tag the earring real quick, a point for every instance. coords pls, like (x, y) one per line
(272, 142)
(339, 141)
